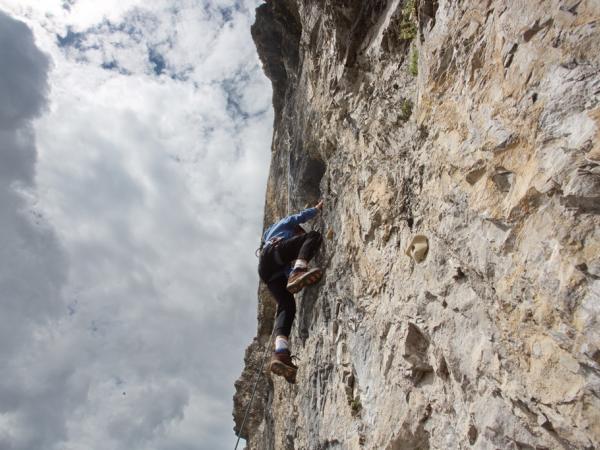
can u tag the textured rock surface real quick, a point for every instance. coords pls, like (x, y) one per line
(476, 124)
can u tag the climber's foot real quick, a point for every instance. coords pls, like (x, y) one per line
(282, 365)
(300, 278)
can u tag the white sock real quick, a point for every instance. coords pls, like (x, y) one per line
(300, 264)
(281, 343)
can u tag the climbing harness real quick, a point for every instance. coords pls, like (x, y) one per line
(260, 368)
(273, 242)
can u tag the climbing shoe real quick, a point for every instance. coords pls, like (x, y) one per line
(282, 365)
(300, 278)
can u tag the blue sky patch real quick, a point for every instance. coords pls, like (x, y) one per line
(157, 60)
(71, 39)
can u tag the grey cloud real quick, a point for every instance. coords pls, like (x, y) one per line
(30, 258)
(32, 264)
(68, 4)
(23, 89)
(23, 79)
(17, 155)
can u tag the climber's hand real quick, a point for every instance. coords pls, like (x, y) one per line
(319, 205)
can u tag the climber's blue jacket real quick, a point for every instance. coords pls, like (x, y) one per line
(286, 228)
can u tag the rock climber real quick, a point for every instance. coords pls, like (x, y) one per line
(285, 252)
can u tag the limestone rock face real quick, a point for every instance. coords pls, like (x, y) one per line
(476, 125)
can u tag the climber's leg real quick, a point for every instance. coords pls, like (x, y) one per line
(281, 364)
(286, 306)
(281, 361)
(281, 343)
(302, 247)
(300, 278)
(299, 250)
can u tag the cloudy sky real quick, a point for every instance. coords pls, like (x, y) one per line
(134, 149)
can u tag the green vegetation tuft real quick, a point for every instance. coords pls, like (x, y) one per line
(413, 64)
(355, 405)
(406, 109)
(408, 21)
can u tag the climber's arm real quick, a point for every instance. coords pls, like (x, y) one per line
(303, 216)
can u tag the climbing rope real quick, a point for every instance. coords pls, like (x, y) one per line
(260, 367)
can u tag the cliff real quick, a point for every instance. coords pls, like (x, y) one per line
(476, 125)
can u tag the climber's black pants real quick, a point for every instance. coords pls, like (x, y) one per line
(286, 306)
(272, 269)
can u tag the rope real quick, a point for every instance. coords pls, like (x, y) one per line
(260, 367)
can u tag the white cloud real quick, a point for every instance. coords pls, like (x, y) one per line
(139, 276)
